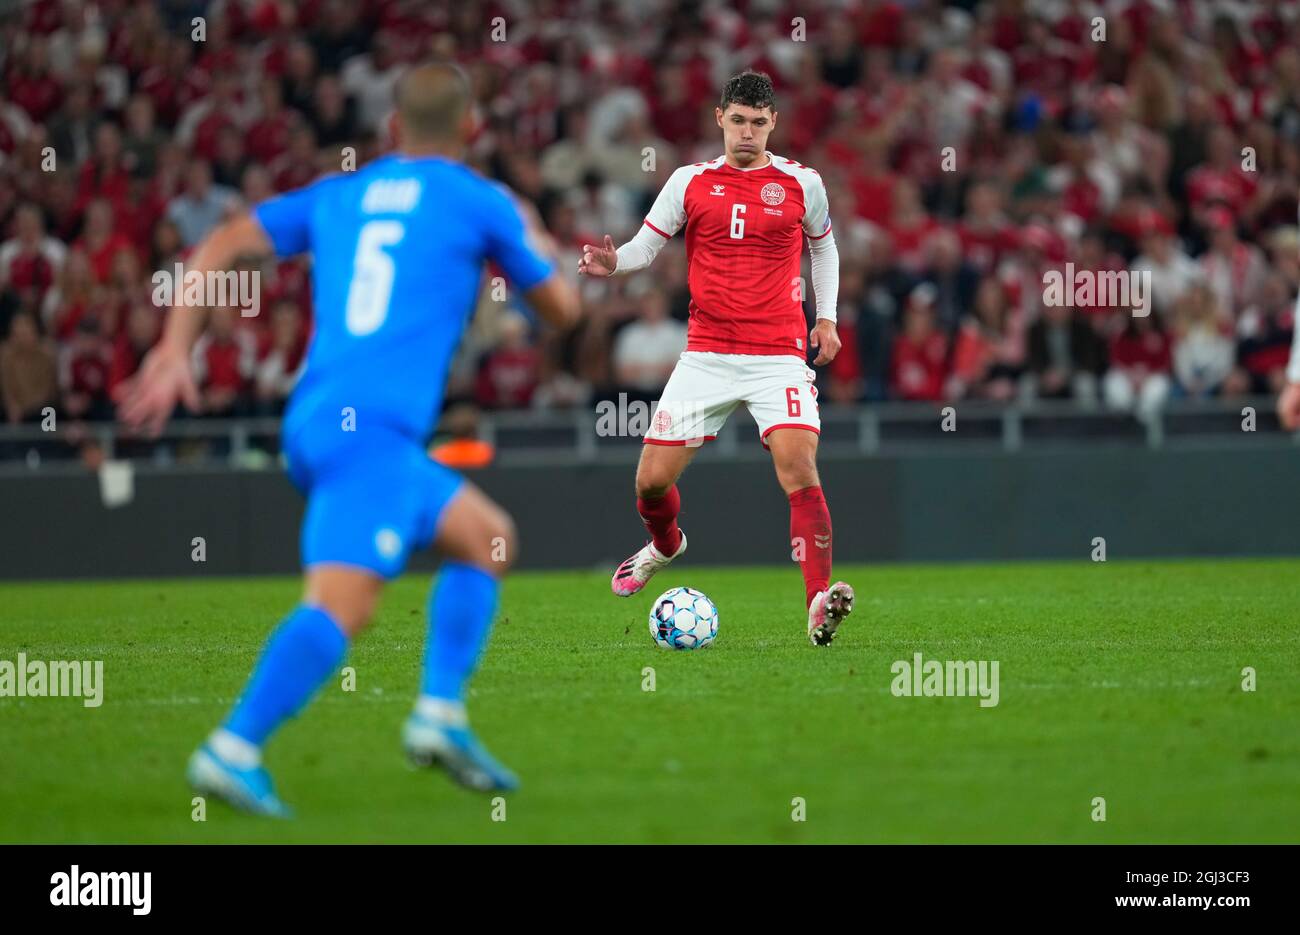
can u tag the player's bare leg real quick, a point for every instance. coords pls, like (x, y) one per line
(794, 455)
(475, 530)
(477, 538)
(658, 503)
(348, 594)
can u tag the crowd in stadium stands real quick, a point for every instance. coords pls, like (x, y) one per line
(967, 149)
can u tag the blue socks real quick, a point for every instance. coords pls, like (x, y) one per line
(461, 608)
(308, 647)
(301, 654)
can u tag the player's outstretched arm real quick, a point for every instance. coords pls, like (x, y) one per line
(666, 217)
(165, 377)
(637, 253)
(556, 301)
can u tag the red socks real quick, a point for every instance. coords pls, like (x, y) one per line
(810, 538)
(660, 518)
(810, 532)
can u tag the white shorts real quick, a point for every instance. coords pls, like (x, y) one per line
(705, 387)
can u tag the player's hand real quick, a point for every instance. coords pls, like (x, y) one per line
(1288, 406)
(164, 378)
(825, 340)
(598, 261)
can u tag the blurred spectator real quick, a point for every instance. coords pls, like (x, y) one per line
(1265, 346)
(225, 358)
(230, 162)
(986, 233)
(1234, 270)
(100, 241)
(143, 328)
(332, 113)
(1140, 360)
(370, 78)
(951, 278)
(83, 373)
(920, 350)
(143, 139)
(268, 136)
(104, 175)
(28, 371)
(30, 261)
(847, 381)
(509, 374)
(1172, 270)
(279, 368)
(71, 297)
(1203, 354)
(71, 129)
(1220, 181)
(989, 355)
(646, 350)
(910, 227)
(1066, 357)
(201, 206)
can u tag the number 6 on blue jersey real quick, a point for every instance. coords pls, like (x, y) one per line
(372, 277)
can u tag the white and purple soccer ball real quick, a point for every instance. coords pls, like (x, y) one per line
(683, 618)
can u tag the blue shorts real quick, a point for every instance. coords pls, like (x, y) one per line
(373, 496)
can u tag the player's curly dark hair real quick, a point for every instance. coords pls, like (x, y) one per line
(750, 88)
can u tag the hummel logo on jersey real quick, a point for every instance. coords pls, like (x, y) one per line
(822, 542)
(718, 190)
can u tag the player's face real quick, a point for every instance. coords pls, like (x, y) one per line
(745, 131)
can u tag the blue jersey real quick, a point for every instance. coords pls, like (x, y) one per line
(398, 251)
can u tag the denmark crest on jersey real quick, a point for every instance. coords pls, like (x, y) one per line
(773, 193)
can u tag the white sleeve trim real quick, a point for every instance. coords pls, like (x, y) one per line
(640, 251)
(825, 274)
(665, 218)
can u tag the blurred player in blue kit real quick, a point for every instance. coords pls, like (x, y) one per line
(398, 249)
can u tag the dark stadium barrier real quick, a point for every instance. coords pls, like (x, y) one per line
(963, 506)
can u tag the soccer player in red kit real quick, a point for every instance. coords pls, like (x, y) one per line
(746, 215)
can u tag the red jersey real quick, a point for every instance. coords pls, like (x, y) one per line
(744, 238)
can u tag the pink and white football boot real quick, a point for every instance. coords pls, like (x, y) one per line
(827, 611)
(633, 574)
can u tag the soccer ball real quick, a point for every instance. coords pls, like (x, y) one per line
(683, 618)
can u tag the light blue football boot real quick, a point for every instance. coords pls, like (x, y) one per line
(450, 744)
(248, 789)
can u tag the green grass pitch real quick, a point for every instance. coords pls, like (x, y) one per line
(1121, 680)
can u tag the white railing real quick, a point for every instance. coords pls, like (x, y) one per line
(571, 436)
